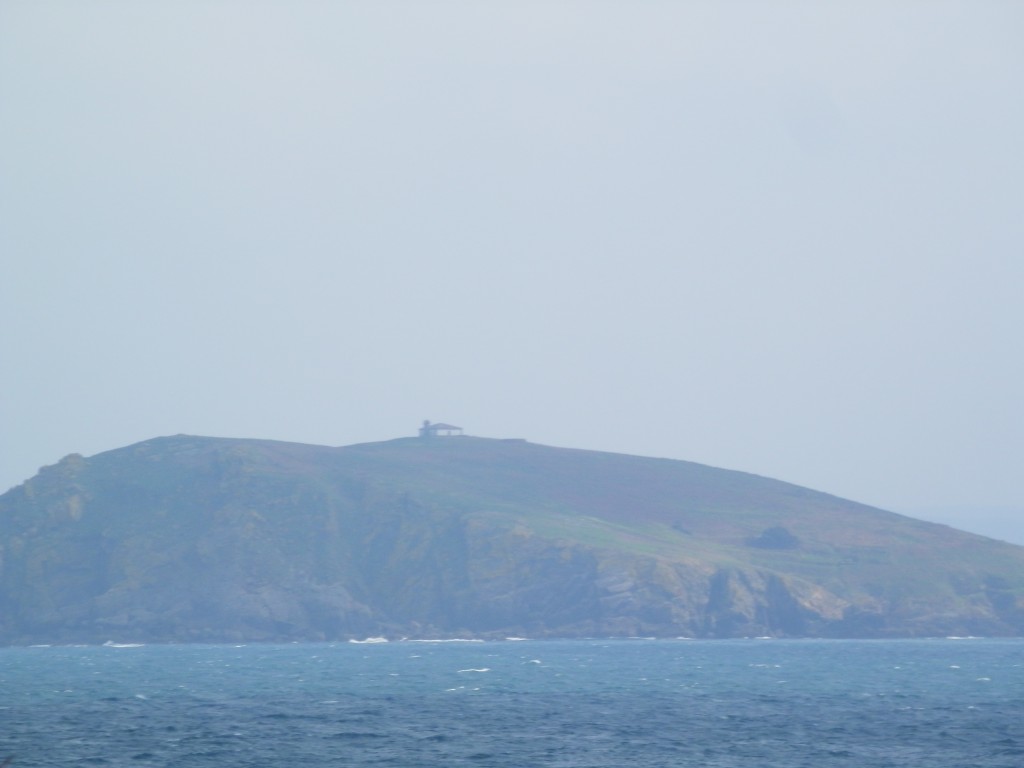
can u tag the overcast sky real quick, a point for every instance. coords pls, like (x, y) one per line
(780, 237)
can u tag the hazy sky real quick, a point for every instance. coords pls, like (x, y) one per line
(781, 237)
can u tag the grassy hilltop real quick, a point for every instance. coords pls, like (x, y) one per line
(190, 538)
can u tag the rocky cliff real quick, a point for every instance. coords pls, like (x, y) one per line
(200, 539)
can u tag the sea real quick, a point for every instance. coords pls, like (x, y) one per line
(950, 702)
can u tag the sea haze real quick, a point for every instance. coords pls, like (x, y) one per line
(779, 237)
(920, 703)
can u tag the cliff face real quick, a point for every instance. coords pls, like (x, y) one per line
(198, 539)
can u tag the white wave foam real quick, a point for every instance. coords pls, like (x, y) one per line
(112, 644)
(482, 669)
(370, 640)
(447, 640)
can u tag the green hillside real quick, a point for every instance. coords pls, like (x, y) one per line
(189, 538)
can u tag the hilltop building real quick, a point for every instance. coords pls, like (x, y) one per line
(439, 430)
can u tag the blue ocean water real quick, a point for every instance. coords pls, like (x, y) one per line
(565, 704)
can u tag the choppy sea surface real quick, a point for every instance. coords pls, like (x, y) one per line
(571, 704)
